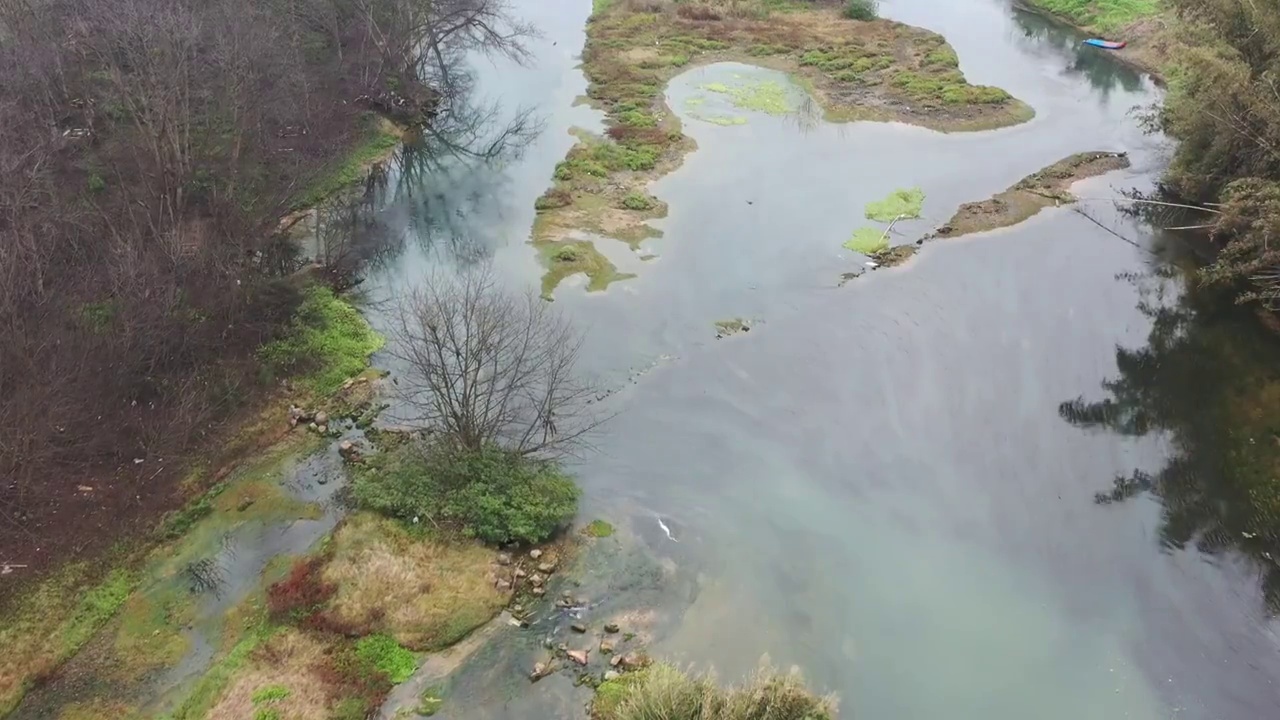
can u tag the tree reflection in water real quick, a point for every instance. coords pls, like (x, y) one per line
(1210, 378)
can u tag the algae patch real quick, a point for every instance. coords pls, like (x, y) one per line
(903, 204)
(766, 96)
(867, 240)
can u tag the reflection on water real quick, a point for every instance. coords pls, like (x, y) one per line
(1210, 377)
(1103, 73)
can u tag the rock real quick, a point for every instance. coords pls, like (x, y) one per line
(313, 427)
(606, 647)
(517, 609)
(504, 559)
(322, 429)
(503, 586)
(245, 504)
(634, 661)
(535, 553)
(546, 568)
(612, 675)
(322, 418)
(537, 592)
(578, 627)
(615, 661)
(578, 656)
(520, 573)
(562, 648)
(536, 580)
(567, 595)
(611, 628)
(346, 447)
(540, 670)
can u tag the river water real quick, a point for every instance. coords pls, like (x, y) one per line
(875, 483)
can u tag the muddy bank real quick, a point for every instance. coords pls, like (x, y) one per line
(878, 70)
(1030, 195)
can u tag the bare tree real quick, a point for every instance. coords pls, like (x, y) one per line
(486, 367)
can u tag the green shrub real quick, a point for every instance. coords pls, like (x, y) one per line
(327, 342)
(598, 529)
(270, 693)
(861, 9)
(384, 654)
(567, 254)
(637, 201)
(491, 494)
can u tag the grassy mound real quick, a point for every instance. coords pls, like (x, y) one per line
(663, 692)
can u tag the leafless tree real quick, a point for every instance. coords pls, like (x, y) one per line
(482, 366)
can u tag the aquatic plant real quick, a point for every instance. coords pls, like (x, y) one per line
(598, 529)
(900, 204)
(766, 96)
(723, 120)
(867, 240)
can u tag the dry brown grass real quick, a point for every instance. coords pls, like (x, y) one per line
(290, 660)
(426, 593)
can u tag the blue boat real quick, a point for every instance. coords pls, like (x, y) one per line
(1105, 44)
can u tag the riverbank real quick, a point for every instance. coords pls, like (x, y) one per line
(854, 70)
(1142, 24)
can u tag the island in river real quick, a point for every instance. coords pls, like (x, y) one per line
(876, 70)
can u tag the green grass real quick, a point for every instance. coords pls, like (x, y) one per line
(1101, 15)
(215, 680)
(598, 529)
(327, 343)
(573, 257)
(867, 240)
(904, 203)
(384, 653)
(722, 120)
(378, 142)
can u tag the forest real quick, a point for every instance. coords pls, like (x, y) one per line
(153, 156)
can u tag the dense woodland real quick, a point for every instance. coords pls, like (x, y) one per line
(149, 150)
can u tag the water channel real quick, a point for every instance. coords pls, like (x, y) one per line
(875, 484)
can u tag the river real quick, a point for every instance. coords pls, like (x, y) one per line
(875, 483)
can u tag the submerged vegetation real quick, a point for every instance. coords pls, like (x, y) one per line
(854, 68)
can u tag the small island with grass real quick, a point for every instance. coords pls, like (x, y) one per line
(854, 65)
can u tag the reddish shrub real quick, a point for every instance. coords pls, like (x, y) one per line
(352, 682)
(302, 594)
(630, 135)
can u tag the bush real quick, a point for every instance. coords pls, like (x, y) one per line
(493, 495)
(636, 201)
(861, 9)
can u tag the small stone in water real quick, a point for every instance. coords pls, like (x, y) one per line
(578, 627)
(615, 661)
(606, 647)
(578, 656)
(611, 628)
(567, 595)
(536, 580)
(538, 591)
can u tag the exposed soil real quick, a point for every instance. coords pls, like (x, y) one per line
(1042, 189)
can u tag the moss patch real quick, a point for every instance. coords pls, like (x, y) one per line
(577, 256)
(634, 49)
(598, 529)
(1042, 189)
(764, 96)
(731, 326)
(327, 343)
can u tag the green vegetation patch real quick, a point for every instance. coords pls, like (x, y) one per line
(492, 495)
(1101, 15)
(326, 343)
(867, 240)
(572, 257)
(766, 96)
(598, 529)
(430, 701)
(722, 120)
(388, 656)
(900, 204)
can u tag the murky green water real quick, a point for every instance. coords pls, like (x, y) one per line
(875, 483)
